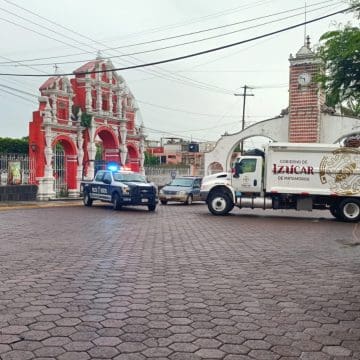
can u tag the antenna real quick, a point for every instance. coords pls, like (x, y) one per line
(305, 14)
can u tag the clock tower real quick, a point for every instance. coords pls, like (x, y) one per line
(305, 97)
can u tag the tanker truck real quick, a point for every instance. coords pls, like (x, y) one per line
(298, 176)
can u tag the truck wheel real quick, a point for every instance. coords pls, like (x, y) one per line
(219, 203)
(87, 199)
(349, 210)
(164, 202)
(116, 202)
(189, 200)
(152, 207)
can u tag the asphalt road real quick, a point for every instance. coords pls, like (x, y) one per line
(179, 284)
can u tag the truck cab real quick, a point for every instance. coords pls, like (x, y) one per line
(248, 174)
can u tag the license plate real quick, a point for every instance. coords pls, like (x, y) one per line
(144, 200)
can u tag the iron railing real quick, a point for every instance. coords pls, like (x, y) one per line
(26, 168)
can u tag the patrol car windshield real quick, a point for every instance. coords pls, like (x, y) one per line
(129, 177)
(182, 182)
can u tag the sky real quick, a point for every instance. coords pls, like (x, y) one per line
(192, 98)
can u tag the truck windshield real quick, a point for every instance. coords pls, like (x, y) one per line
(130, 177)
(182, 182)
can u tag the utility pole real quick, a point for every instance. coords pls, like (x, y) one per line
(244, 94)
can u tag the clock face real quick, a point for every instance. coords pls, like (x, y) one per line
(304, 79)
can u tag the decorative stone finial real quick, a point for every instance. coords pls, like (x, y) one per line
(308, 42)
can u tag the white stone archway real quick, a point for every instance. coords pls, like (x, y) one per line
(275, 129)
(333, 128)
(336, 127)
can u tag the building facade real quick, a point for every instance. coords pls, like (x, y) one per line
(81, 122)
(180, 152)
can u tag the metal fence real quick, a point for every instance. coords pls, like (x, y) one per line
(60, 173)
(162, 175)
(25, 166)
(158, 174)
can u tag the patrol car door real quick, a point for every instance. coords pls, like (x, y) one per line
(248, 175)
(104, 187)
(95, 185)
(196, 189)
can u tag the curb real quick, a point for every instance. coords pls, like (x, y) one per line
(38, 204)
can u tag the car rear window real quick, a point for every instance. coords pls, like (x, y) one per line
(182, 182)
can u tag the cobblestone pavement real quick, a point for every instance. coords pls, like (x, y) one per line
(180, 284)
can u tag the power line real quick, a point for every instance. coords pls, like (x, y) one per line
(181, 44)
(157, 131)
(19, 96)
(178, 110)
(203, 86)
(179, 78)
(167, 38)
(217, 14)
(183, 57)
(193, 83)
(38, 33)
(225, 12)
(28, 66)
(220, 27)
(201, 19)
(210, 128)
(17, 90)
(43, 26)
(167, 108)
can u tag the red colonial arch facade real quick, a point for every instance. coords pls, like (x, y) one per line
(89, 112)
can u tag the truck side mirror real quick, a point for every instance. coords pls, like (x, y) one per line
(238, 170)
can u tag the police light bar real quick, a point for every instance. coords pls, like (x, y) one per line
(113, 167)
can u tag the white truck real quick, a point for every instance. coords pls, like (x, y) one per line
(290, 176)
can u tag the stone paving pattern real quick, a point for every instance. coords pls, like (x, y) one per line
(82, 283)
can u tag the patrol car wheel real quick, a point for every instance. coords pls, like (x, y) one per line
(350, 210)
(152, 207)
(164, 202)
(116, 202)
(219, 203)
(189, 200)
(87, 199)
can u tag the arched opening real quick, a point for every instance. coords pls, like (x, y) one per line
(350, 140)
(250, 143)
(64, 165)
(107, 147)
(215, 168)
(275, 129)
(132, 160)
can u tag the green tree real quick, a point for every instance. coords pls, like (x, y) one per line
(150, 159)
(14, 146)
(340, 53)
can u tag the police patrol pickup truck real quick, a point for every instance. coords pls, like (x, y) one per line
(120, 188)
